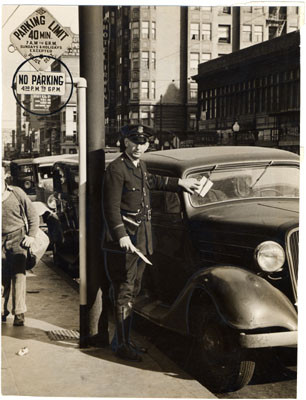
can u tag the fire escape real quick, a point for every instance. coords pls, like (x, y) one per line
(276, 21)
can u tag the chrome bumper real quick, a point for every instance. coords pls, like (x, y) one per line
(274, 339)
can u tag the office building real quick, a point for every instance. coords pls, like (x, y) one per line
(152, 52)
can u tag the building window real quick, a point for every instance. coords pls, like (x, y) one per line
(135, 60)
(126, 34)
(153, 29)
(194, 8)
(145, 90)
(135, 91)
(247, 33)
(135, 30)
(134, 118)
(292, 29)
(224, 35)
(205, 57)
(153, 89)
(192, 121)
(206, 8)
(145, 59)
(259, 9)
(206, 31)
(194, 31)
(226, 10)
(194, 60)
(258, 33)
(144, 116)
(145, 29)
(193, 93)
(247, 9)
(297, 10)
(135, 12)
(153, 59)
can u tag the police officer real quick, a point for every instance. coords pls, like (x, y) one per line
(128, 213)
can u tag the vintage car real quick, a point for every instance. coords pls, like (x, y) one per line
(225, 265)
(22, 176)
(34, 176)
(42, 172)
(65, 175)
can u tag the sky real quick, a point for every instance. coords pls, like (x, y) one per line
(12, 17)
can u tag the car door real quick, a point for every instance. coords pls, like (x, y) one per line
(168, 274)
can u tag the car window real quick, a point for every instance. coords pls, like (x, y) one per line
(45, 172)
(237, 183)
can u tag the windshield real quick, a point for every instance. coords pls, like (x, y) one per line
(22, 170)
(237, 183)
(45, 172)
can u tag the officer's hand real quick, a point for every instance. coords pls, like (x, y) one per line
(189, 184)
(27, 241)
(125, 243)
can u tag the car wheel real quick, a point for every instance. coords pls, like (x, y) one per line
(218, 361)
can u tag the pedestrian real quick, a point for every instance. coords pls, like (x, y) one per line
(15, 244)
(127, 212)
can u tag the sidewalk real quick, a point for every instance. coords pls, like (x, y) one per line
(59, 368)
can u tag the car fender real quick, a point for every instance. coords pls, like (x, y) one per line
(243, 300)
(247, 301)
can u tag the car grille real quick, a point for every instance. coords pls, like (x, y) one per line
(292, 249)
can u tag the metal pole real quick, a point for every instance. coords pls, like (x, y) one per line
(161, 120)
(92, 68)
(81, 99)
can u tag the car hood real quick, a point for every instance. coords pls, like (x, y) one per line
(250, 215)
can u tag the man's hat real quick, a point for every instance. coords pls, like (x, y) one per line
(139, 134)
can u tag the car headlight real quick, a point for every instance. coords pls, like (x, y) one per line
(51, 202)
(270, 256)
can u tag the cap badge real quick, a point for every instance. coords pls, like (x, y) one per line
(140, 129)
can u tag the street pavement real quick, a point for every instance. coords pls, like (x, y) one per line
(54, 365)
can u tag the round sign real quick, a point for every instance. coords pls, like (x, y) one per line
(33, 112)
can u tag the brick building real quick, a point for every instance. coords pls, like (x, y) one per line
(258, 88)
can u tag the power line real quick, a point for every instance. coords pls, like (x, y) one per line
(10, 17)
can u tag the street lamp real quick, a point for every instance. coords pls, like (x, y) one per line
(236, 129)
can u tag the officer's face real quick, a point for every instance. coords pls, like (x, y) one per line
(135, 150)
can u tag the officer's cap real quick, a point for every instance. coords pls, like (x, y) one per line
(139, 134)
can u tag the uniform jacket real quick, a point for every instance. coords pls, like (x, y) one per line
(127, 192)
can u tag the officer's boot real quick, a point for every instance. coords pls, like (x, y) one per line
(128, 326)
(124, 350)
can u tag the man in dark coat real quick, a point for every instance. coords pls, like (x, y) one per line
(127, 212)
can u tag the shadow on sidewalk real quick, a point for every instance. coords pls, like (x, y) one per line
(38, 330)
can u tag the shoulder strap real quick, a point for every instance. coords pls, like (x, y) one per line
(23, 213)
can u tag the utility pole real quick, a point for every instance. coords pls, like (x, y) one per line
(92, 69)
